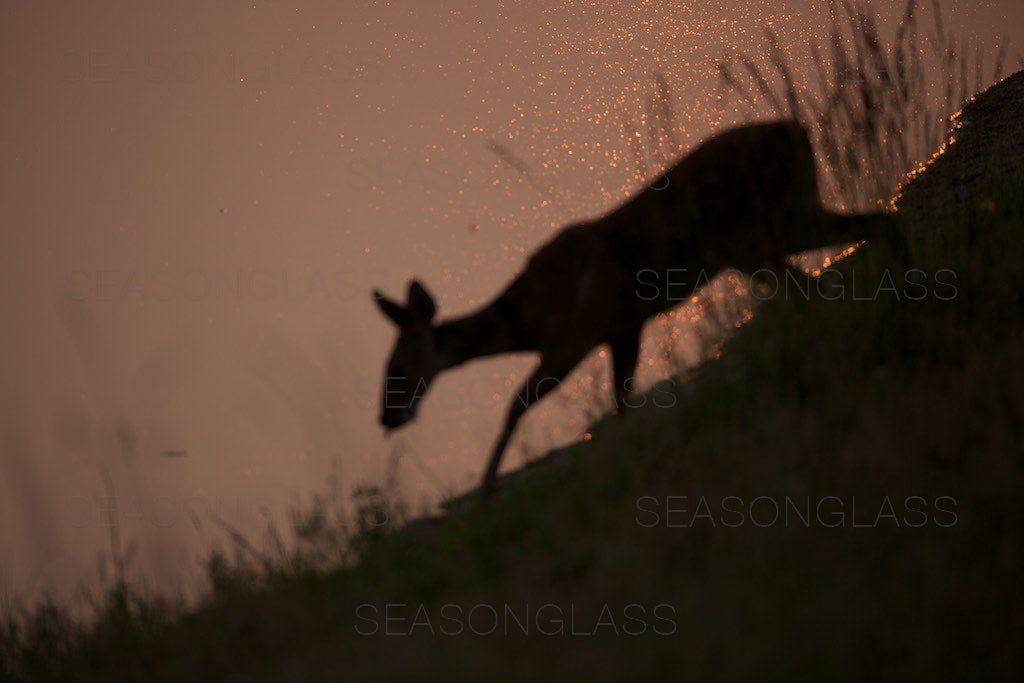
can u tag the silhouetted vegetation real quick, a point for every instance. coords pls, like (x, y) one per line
(875, 399)
(877, 109)
(878, 399)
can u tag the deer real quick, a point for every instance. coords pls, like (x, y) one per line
(745, 199)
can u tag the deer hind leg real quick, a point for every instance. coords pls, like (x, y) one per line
(625, 350)
(548, 376)
(878, 228)
(888, 229)
(794, 285)
(776, 280)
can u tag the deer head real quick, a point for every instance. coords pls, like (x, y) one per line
(415, 361)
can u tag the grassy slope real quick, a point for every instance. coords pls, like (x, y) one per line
(844, 398)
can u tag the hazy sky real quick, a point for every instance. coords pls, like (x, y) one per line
(199, 197)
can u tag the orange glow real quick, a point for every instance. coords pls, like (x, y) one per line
(957, 124)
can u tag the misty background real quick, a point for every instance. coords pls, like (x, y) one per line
(197, 201)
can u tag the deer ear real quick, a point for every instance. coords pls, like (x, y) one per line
(391, 309)
(420, 301)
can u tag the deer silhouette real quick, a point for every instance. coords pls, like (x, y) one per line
(745, 199)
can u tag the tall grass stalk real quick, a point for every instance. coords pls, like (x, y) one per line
(876, 109)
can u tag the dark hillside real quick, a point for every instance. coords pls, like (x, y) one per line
(837, 497)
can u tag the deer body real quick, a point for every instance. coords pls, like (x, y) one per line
(745, 199)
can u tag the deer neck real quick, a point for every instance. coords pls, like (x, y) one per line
(489, 331)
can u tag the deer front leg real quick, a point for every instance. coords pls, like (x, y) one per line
(548, 375)
(625, 350)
